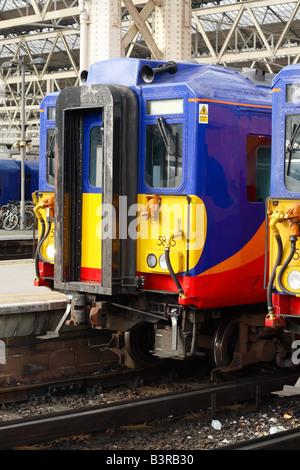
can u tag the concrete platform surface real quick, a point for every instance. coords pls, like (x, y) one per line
(16, 286)
(17, 234)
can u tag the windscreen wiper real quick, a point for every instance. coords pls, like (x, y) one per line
(167, 138)
(291, 146)
(50, 153)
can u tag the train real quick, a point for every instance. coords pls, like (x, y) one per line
(10, 180)
(283, 206)
(154, 177)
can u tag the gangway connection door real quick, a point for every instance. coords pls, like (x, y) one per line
(114, 110)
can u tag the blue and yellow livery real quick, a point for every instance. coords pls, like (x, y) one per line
(284, 203)
(161, 175)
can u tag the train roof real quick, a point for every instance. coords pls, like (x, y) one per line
(209, 81)
(49, 99)
(290, 72)
(9, 165)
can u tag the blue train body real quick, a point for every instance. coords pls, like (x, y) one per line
(10, 180)
(47, 142)
(193, 136)
(283, 212)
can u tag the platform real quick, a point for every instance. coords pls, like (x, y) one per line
(17, 234)
(24, 308)
(16, 244)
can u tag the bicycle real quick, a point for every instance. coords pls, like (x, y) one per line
(10, 215)
(11, 218)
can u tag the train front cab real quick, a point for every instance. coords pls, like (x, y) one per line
(283, 208)
(154, 226)
(44, 197)
(115, 235)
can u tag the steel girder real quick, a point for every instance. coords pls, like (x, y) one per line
(255, 33)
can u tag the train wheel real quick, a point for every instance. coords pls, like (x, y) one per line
(225, 342)
(223, 346)
(139, 342)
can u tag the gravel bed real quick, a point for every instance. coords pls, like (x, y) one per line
(194, 431)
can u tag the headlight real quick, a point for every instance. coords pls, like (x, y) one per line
(151, 260)
(293, 280)
(50, 251)
(162, 262)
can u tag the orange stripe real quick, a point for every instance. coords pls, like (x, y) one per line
(276, 89)
(247, 254)
(229, 102)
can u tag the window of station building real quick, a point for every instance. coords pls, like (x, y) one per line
(96, 156)
(258, 167)
(163, 155)
(50, 157)
(292, 153)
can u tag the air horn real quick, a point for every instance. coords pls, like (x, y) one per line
(148, 73)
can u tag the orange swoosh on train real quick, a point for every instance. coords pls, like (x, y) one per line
(254, 249)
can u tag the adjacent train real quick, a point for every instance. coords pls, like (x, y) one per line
(10, 180)
(283, 209)
(153, 182)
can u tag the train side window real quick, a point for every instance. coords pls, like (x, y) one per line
(292, 153)
(50, 157)
(163, 155)
(51, 113)
(96, 156)
(258, 167)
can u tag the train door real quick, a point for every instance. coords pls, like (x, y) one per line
(258, 167)
(258, 149)
(97, 154)
(91, 196)
(168, 183)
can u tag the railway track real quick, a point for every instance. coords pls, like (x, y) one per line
(113, 378)
(284, 440)
(54, 426)
(110, 379)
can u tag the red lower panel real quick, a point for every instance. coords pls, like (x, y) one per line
(91, 274)
(234, 287)
(46, 269)
(286, 304)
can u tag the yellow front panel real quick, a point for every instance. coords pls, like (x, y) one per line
(47, 248)
(91, 230)
(281, 207)
(153, 233)
(285, 278)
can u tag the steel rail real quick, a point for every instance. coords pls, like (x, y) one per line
(65, 424)
(16, 393)
(283, 440)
